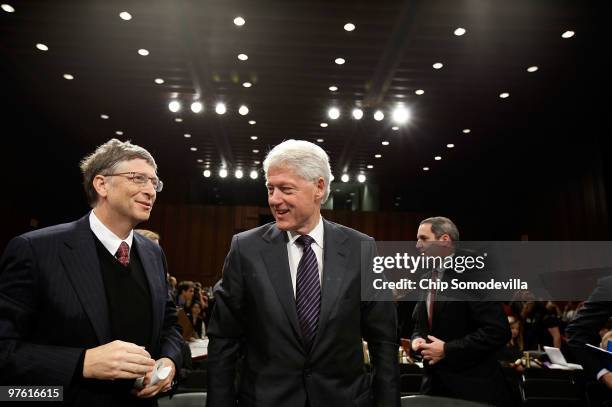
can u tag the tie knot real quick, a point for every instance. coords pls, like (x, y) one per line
(123, 253)
(305, 241)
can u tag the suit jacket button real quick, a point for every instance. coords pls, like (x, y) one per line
(307, 373)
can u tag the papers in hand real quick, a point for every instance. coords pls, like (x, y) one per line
(558, 360)
(600, 351)
(160, 372)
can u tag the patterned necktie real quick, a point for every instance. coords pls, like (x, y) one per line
(308, 291)
(123, 254)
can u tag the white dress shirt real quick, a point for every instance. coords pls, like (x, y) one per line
(110, 240)
(295, 250)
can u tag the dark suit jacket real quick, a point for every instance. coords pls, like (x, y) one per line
(255, 319)
(584, 328)
(473, 331)
(53, 306)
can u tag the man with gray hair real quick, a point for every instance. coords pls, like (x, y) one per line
(84, 305)
(290, 303)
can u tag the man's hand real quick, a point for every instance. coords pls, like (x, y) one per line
(161, 386)
(433, 351)
(117, 360)
(607, 380)
(417, 344)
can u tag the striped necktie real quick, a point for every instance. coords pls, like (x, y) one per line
(308, 291)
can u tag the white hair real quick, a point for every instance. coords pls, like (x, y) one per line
(308, 160)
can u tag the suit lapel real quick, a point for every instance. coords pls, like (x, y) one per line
(80, 258)
(334, 268)
(152, 274)
(277, 266)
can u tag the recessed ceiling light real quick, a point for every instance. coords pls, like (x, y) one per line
(466, 131)
(385, 143)
(200, 160)
(238, 174)
(68, 76)
(320, 140)
(252, 122)
(377, 155)
(253, 138)
(450, 145)
(42, 47)
(361, 178)
(331, 178)
(401, 114)
(159, 81)
(395, 128)
(220, 108)
(255, 151)
(568, 34)
(357, 113)
(119, 133)
(253, 174)
(239, 21)
(256, 162)
(425, 168)
(206, 173)
(143, 52)
(437, 65)
(370, 166)
(344, 178)
(187, 135)
(532, 68)
(460, 31)
(333, 88)
(349, 27)
(504, 95)
(197, 107)
(437, 158)
(419, 92)
(243, 110)
(323, 124)
(8, 8)
(104, 116)
(379, 115)
(174, 106)
(247, 84)
(333, 113)
(178, 119)
(340, 61)
(243, 57)
(194, 149)
(125, 16)
(223, 173)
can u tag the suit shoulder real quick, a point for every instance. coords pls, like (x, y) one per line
(350, 233)
(50, 232)
(255, 233)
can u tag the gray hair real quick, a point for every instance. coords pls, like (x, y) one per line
(106, 159)
(442, 226)
(308, 160)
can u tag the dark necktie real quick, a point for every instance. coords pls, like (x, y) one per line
(123, 254)
(308, 291)
(432, 297)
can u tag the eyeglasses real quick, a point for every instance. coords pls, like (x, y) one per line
(140, 179)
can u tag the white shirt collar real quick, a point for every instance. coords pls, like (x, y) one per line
(110, 240)
(316, 233)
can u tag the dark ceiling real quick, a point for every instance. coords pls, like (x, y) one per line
(50, 122)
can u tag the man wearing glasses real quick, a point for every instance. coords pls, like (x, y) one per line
(84, 305)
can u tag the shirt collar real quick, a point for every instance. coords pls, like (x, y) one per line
(110, 240)
(316, 234)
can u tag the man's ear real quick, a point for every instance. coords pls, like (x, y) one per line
(100, 185)
(320, 188)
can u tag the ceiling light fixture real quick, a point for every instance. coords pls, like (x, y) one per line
(197, 107)
(349, 27)
(340, 61)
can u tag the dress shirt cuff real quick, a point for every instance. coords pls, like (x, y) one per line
(601, 373)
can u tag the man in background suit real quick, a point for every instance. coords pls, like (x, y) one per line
(84, 305)
(584, 329)
(289, 305)
(457, 339)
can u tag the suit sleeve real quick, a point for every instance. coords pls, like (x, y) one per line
(492, 333)
(225, 332)
(22, 362)
(379, 329)
(585, 327)
(171, 338)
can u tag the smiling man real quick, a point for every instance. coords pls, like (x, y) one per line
(289, 305)
(84, 305)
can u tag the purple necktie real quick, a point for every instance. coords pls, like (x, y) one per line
(308, 291)
(123, 254)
